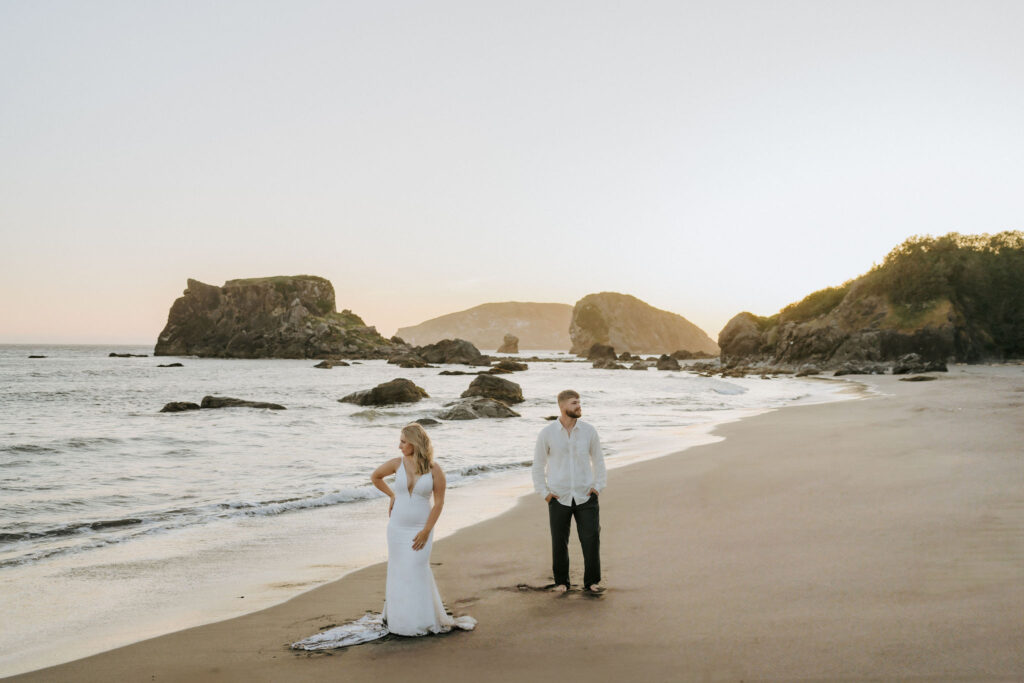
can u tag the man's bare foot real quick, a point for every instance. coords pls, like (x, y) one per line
(559, 588)
(595, 588)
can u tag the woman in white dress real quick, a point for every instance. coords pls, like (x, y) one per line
(412, 604)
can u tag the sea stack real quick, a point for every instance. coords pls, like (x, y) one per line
(510, 344)
(270, 317)
(629, 324)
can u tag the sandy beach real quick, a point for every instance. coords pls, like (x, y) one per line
(880, 538)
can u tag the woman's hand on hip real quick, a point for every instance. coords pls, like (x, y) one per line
(391, 505)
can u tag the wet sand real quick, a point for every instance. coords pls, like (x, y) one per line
(881, 538)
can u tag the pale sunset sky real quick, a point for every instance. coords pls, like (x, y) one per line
(706, 157)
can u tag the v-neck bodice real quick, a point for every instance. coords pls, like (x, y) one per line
(402, 479)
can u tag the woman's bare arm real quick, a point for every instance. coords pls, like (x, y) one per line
(386, 470)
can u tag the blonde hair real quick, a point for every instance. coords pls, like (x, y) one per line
(422, 449)
(566, 395)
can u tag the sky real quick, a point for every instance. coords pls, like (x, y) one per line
(706, 157)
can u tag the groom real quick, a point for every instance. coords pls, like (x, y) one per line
(568, 471)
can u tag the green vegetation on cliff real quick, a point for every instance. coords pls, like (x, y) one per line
(981, 275)
(959, 296)
(813, 305)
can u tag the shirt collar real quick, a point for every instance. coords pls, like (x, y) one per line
(562, 426)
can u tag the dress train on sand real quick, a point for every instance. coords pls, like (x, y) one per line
(412, 603)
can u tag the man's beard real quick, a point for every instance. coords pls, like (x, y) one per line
(574, 415)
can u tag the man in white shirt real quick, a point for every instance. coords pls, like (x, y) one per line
(569, 473)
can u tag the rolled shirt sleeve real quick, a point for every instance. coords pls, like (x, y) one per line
(540, 461)
(597, 461)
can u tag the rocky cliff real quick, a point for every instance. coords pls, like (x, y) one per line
(628, 324)
(956, 297)
(538, 326)
(271, 317)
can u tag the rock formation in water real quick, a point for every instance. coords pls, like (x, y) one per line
(667, 363)
(271, 317)
(444, 351)
(628, 324)
(497, 388)
(452, 351)
(956, 297)
(330, 364)
(537, 325)
(474, 408)
(179, 407)
(601, 352)
(510, 344)
(398, 390)
(228, 402)
(210, 402)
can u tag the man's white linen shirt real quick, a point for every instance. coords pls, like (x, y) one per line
(568, 464)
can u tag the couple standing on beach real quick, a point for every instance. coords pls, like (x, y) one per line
(568, 471)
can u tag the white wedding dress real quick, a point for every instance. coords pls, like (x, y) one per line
(412, 603)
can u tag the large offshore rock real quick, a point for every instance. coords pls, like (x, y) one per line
(629, 324)
(601, 352)
(477, 407)
(498, 388)
(510, 344)
(667, 362)
(228, 402)
(179, 407)
(329, 364)
(452, 351)
(510, 366)
(270, 317)
(408, 360)
(741, 337)
(398, 390)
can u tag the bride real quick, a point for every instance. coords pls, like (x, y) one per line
(412, 604)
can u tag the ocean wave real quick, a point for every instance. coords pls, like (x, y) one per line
(371, 414)
(276, 507)
(477, 470)
(158, 523)
(38, 555)
(27, 448)
(89, 441)
(124, 529)
(710, 383)
(69, 529)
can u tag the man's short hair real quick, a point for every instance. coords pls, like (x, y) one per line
(566, 395)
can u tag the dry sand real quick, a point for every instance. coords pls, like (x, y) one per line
(880, 538)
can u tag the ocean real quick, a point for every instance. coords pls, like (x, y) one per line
(119, 522)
